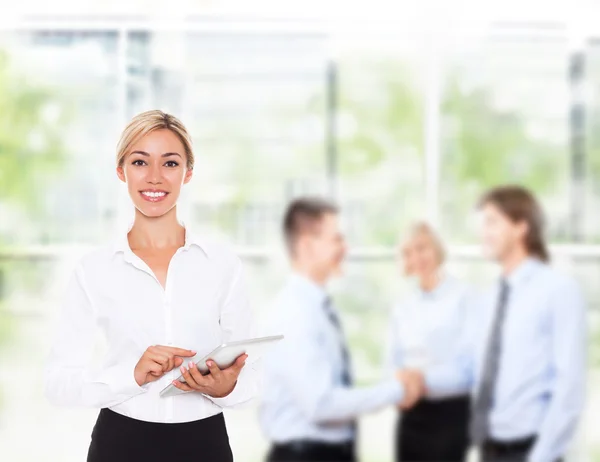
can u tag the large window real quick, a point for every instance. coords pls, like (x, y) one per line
(588, 80)
(505, 119)
(61, 101)
(393, 124)
(379, 138)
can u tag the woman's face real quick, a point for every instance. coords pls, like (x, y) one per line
(420, 256)
(154, 171)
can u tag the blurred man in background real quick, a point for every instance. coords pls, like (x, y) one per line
(526, 361)
(309, 406)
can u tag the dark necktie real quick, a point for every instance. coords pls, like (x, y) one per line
(333, 318)
(483, 401)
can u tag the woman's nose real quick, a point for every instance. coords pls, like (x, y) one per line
(154, 175)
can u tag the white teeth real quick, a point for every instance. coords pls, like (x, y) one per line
(153, 194)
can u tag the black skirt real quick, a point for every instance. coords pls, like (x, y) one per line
(117, 438)
(434, 431)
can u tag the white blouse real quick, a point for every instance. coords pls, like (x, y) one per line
(112, 291)
(429, 328)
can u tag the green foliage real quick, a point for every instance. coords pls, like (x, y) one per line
(380, 146)
(382, 100)
(30, 149)
(30, 140)
(483, 146)
(488, 145)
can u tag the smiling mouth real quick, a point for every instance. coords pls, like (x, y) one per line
(153, 196)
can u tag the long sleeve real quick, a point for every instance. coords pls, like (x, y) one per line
(69, 378)
(568, 331)
(236, 324)
(309, 377)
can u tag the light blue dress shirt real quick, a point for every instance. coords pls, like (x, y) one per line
(428, 327)
(541, 382)
(303, 397)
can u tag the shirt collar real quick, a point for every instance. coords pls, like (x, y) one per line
(121, 244)
(523, 272)
(439, 289)
(309, 289)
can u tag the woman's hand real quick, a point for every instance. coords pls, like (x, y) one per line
(217, 384)
(157, 360)
(414, 387)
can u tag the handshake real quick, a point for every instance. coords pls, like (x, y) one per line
(413, 382)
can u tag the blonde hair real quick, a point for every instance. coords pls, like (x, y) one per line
(422, 228)
(147, 122)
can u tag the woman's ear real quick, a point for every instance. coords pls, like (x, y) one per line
(523, 229)
(188, 175)
(121, 174)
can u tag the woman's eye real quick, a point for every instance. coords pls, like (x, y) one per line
(138, 162)
(171, 163)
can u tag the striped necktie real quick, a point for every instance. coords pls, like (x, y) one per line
(333, 318)
(483, 402)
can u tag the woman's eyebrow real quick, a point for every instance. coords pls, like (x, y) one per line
(166, 154)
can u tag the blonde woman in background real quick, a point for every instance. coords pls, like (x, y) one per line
(428, 328)
(159, 295)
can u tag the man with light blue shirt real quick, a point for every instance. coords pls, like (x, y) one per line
(309, 406)
(525, 359)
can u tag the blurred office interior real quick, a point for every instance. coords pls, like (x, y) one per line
(396, 110)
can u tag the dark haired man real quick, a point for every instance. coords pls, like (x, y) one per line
(309, 404)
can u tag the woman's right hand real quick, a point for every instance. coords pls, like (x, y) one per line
(157, 360)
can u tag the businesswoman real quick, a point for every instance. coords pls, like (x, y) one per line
(427, 328)
(159, 295)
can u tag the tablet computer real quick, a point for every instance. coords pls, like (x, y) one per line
(224, 356)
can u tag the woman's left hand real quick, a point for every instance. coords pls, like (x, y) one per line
(218, 384)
